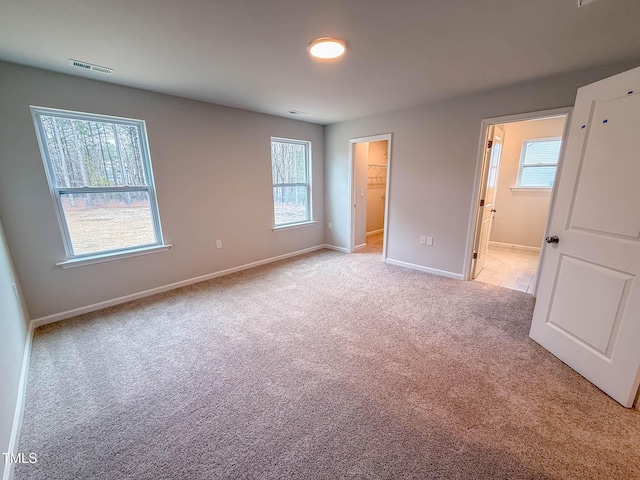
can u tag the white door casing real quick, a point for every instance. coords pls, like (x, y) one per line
(489, 186)
(353, 190)
(588, 298)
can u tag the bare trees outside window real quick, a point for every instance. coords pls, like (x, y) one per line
(99, 173)
(290, 167)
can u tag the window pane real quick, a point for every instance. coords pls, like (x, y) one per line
(546, 152)
(99, 222)
(86, 153)
(290, 205)
(537, 176)
(288, 162)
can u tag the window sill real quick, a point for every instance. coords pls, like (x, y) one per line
(107, 257)
(530, 189)
(293, 225)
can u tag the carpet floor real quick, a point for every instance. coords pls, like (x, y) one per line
(325, 366)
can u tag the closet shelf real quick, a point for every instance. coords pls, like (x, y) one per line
(376, 174)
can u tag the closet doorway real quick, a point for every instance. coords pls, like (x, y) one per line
(370, 168)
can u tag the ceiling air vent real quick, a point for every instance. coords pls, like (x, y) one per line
(582, 3)
(90, 66)
(296, 112)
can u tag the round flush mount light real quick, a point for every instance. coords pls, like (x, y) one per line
(326, 48)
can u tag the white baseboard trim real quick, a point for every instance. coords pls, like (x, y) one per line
(56, 317)
(375, 232)
(360, 247)
(514, 246)
(413, 266)
(336, 248)
(19, 412)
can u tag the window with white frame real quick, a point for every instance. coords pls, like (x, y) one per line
(538, 162)
(100, 177)
(291, 172)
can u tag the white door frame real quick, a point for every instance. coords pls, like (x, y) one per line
(352, 190)
(475, 197)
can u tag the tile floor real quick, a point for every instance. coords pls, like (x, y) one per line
(375, 240)
(510, 268)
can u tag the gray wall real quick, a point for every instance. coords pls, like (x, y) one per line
(433, 158)
(212, 169)
(13, 335)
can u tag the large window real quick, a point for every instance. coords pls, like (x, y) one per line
(538, 163)
(290, 167)
(99, 173)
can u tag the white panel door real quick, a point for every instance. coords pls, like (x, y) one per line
(588, 306)
(490, 185)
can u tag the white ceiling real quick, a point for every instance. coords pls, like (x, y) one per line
(252, 54)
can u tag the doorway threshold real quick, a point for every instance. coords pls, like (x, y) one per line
(510, 268)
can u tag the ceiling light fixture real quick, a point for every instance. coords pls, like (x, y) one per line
(327, 48)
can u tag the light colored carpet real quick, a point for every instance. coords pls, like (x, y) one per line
(325, 366)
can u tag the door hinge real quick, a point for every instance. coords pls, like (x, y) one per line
(475, 255)
(482, 202)
(490, 144)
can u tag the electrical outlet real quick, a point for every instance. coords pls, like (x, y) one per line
(218, 243)
(423, 239)
(429, 241)
(330, 225)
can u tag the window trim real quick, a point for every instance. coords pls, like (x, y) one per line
(522, 166)
(309, 220)
(531, 189)
(289, 226)
(100, 258)
(57, 192)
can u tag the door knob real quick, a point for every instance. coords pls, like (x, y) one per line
(552, 239)
(494, 210)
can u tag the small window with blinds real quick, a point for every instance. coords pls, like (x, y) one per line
(538, 163)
